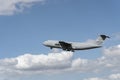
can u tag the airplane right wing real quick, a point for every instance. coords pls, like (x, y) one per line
(66, 46)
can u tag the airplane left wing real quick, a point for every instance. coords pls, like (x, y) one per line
(66, 46)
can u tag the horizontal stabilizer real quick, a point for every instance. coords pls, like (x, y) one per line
(101, 39)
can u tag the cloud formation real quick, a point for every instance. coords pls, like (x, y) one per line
(109, 77)
(38, 63)
(10, 7)
(64, 62)
(113, 51)
(44, 62)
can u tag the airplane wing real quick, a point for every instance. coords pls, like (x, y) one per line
(66, 46)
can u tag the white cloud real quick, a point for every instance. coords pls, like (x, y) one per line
(115, 76)
(108, 77)
(53, 62)
(29, 64)
(62, 62)
(44, 62)
(113, 51)
(37, 63)
(108, 64)
(10, 7)
(95, 78)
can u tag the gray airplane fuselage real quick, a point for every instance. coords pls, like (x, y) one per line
(75, 45)
(71, 46)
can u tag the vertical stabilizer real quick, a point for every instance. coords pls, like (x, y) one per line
(101, 39)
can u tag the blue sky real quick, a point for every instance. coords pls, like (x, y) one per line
(26, 24)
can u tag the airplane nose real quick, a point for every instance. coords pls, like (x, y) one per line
(45, 43)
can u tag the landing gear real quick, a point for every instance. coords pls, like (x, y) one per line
(70, 50)
(51, 47)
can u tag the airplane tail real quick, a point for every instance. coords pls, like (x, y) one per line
(101, 39)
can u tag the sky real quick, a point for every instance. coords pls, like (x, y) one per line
(26, 24)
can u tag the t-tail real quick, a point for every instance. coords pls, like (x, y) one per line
(101, 39)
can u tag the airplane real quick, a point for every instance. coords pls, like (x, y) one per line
(72, 46)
